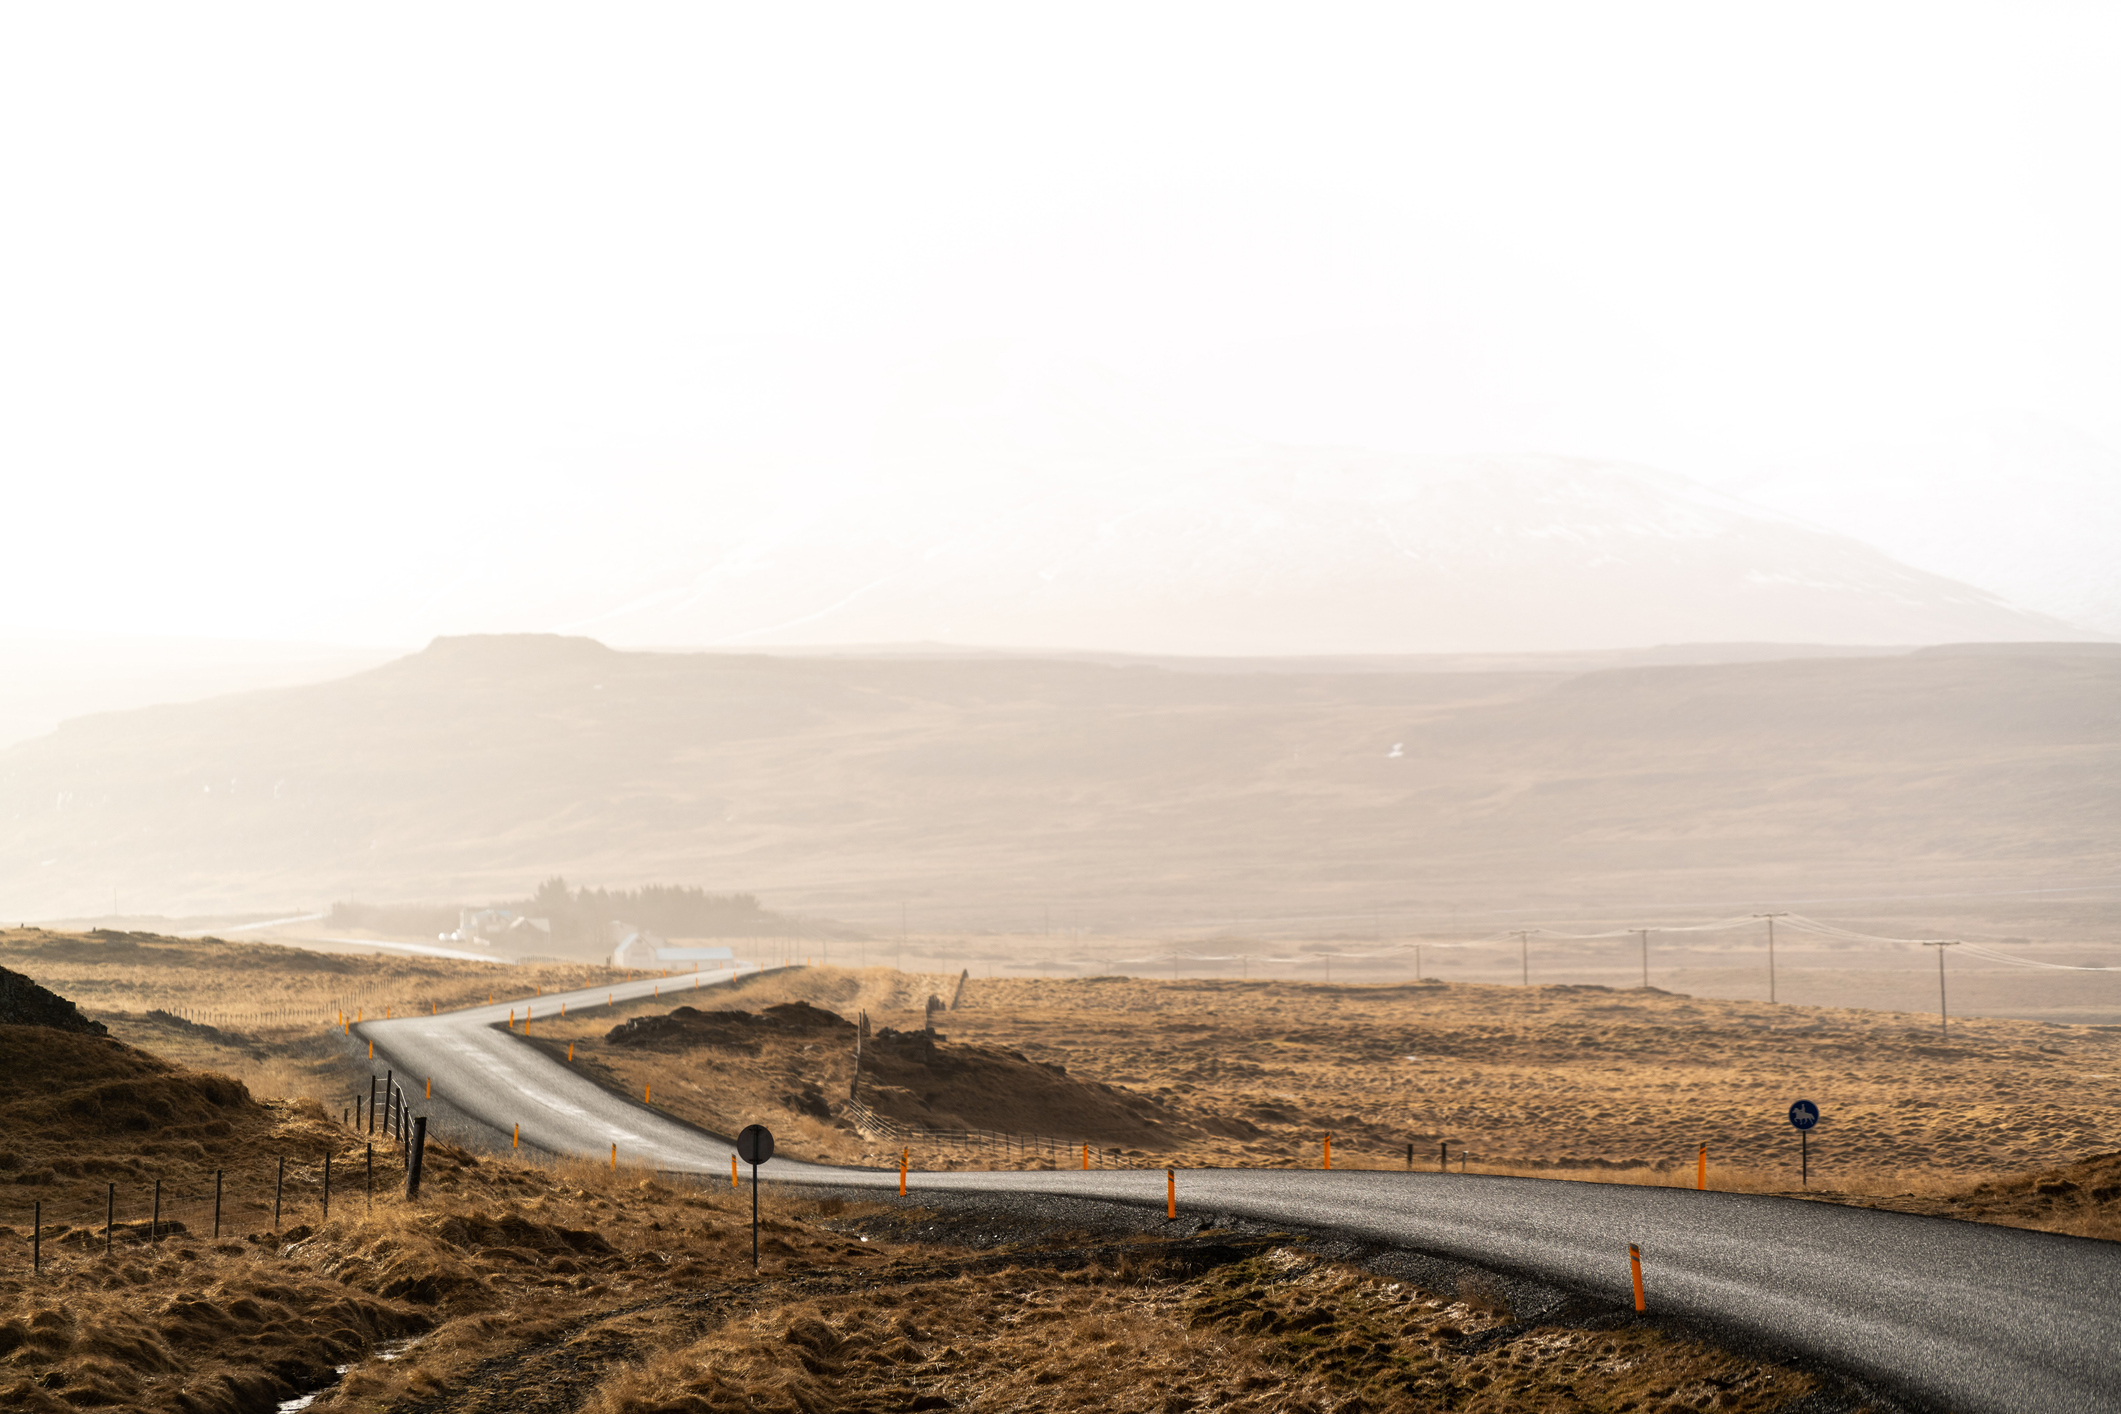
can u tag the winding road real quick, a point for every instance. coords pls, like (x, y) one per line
(1959, 1316)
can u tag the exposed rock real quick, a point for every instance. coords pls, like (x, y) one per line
(24, 1003)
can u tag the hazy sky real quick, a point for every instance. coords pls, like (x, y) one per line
(296, 301)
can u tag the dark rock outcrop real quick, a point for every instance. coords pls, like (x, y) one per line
(24, 1003)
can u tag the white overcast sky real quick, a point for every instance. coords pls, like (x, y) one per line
(297, 300)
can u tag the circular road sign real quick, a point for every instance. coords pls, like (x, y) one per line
(1804, 1114)
(755, 1144)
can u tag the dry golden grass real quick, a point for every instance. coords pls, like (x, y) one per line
(1558, 1082)
(516, 1287)
(264, 1014)
(1275, 1331)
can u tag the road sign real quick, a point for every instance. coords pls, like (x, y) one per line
(755, 1145)
(1804, 1114)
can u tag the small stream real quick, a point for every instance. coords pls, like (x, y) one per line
(391, 1351)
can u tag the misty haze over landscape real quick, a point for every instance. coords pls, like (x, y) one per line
(1119, 597)
(1251, 549)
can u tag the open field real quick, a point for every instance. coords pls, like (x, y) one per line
(516, 1287)
(1559, 1081)
(265, 1014)
(1280, 800)
(1613, 1085)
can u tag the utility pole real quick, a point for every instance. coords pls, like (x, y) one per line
(1645, 955)
(1944, 1025)
(1524, 957)
(1771, 917)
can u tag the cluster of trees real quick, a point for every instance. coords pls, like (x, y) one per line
(580, 915)
(673, 910)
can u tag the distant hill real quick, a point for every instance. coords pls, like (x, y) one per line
(982, 791)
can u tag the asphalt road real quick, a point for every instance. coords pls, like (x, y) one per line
(1957, 1315)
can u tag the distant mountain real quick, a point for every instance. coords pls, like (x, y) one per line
(2022, 506)
(981, 788)
(1292, 551)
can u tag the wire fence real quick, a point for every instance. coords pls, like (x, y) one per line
(54, 1219)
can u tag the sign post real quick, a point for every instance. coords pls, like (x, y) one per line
(1804, 1114)
(754, 1146)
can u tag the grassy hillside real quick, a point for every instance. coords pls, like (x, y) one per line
(985, 790)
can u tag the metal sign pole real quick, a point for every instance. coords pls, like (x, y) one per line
(754, 1146)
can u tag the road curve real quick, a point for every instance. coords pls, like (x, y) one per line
(1962, 1316)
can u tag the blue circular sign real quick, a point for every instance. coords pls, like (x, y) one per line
(1804, 1114)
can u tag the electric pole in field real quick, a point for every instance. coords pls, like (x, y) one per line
(1524, 957)
(1645, 955)
(1771, 917)
(1944, 1025)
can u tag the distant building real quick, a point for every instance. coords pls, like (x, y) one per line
(633, 948)
(482, 925)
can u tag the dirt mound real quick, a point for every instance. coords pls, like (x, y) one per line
(923, 1080)
(77, 1106)
(737, 1030)
(24, 1003)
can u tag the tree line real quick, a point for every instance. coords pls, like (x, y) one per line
(581, 914)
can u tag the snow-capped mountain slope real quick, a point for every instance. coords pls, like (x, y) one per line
(2021, 505)
(1283, 550)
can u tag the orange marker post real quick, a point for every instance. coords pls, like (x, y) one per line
(1170, 1194)
(1701, 1169)
(902, 1171)
(430, 1087)
(515, 1140)
(645, 1090)
(1329, 1151)
(570, 1053)
(732, 1172)
(371, 1050)
(1635, 1268)
(614, 1158)
(1086, 1154)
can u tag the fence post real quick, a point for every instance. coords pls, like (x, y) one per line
(1443, 1157)
(155, 1221)
(36, 1239)
(217, 1205)
(371, 1104)
(278, 1182)
(327, 1185)
(416, 1156)
(371, 1175)
(110, 1212)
